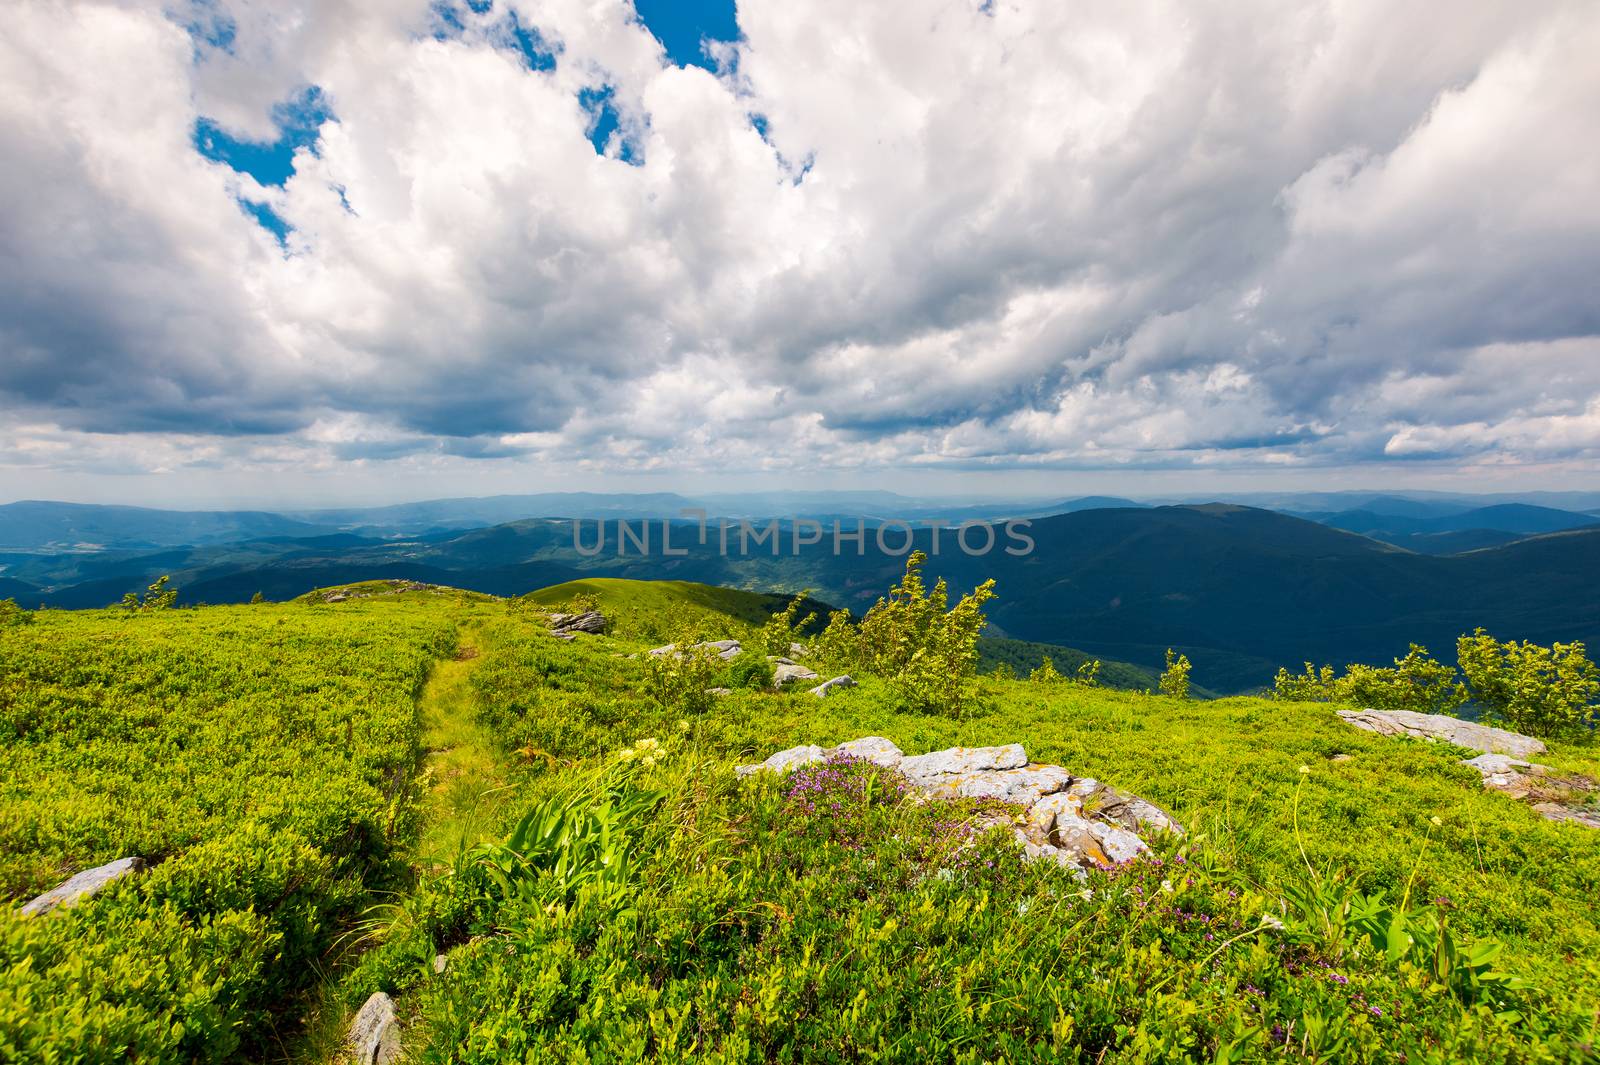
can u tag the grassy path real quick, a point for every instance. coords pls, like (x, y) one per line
(464, 774)
(466, 790)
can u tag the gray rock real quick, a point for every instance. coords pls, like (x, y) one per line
(1025, 785)
(837, 684)
(725, 649)
(798, 650)
(1130, 811)
(1554, 811)
(1468, 734)
(719, 691)
(874, 749)
(787, 673)
(784, 761)
(68, 894)
(923, 769)
(590, 621)
(374, 1037)
(657, 652)
(1506, 774)
(441, 962)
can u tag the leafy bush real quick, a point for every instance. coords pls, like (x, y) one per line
(928, 655)
(1175, 678)
(1415, 682)
(1046, 673)
(12, 614)
(157, 597)
(750, 669)
(781, 629)
(839, 646)
(1543, 691)
(679, 681)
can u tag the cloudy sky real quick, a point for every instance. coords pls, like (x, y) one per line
(381, 249)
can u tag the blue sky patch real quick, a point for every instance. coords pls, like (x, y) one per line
(270, 163)
(682, 25)
(602, 108)
(210, 27)
(537, 53)
(269, 220)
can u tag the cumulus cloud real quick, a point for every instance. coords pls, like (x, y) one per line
(935, 234)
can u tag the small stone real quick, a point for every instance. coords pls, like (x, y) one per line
(84, 885)
(374, 1037)
(725, 649)
(874, 749)
(1342, 758)
(784, 761)
(837, 684)
(719, 691)
(441, 962)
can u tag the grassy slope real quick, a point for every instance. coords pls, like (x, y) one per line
(1228, 769)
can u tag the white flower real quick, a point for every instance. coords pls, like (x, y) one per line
(1166, 886)
(626, 754)
(1304, 770)
(1435, 822)
(1269, 921)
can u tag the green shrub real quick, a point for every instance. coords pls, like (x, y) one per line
(1543, 691)
(1415, 682)
(781, 629)
(750, 669)
(928, 654)
(839, 645)
(12, 614)
(157, 597)
(1046, 673)
(679, 681)
(1175, 678)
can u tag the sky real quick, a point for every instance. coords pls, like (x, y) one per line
(341, 251)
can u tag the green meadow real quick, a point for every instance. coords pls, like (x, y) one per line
(540, 850)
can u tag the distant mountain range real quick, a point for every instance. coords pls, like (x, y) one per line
(1241, 590)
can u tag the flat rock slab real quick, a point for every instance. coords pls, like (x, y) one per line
(784, 761)
(1468, 734)
(1025, 785)
(66, 895)
(926, 768)
(875, 749)
(788, 672)
(1554, 811)
(374, 1037)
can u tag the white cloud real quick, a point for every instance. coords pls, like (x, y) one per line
(1120, 236)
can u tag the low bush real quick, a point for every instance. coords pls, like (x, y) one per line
(1544, 691)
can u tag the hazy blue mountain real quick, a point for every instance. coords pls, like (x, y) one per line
(1240, 590)
(79, 526)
